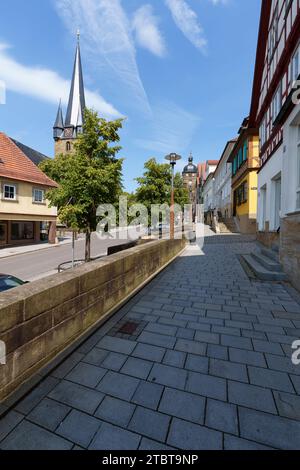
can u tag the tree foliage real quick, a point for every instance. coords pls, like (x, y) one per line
(154, 187)
(88, 177)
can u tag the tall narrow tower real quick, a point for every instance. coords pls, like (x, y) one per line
(66, 132)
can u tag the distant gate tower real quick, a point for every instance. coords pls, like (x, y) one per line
(66, 132)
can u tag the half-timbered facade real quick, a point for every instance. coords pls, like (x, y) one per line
(277, 115)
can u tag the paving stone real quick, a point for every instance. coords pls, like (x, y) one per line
(49, 414)
(118, 345)
(161, 329)
(251, 396)
(77, 396)
(174, 358)
(270, 379)
(157, 340)
(86, 374)
(148, 444)
(211, 338)
(235, 342)
(274, 431)
(225, 330)
(288, 405)
(183, 405)
(118, 385)
(63, 369)
(267, 347)
(28, 436)
(9, 422)
(282, 339)
(79, 428)
(150, 423)
(192, 347)
(115, 411)
(296, 382)
(228, 370)
(148, 394)
(185, 333)
(254, 335)
(197, 363)
(95, 357)
(169, 376)
(150, 353)
(137, 367)
(173, 322)
(217, 352)
(221, 416)
(235, 443)
(206, 386)
(36, 395)
(111, 437)
(114, 361)
(283, 364)
(247, 357)
(205, 327)
(188, 436)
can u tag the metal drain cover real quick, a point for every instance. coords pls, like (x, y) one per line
(128, 328)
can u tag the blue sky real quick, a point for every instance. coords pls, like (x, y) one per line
(180, 71)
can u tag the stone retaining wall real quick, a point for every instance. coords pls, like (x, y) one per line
(38, 321)
(290, 247)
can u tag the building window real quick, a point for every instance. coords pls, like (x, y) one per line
(298, 171)
(263, 132)
(10, 192)
(295, 66)
(22, 231)
(245, 151)
(242, 194)
(277, 102)
(38, 196)
(68, 146)
(273, 35)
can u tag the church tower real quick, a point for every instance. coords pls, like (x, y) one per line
(66, 132)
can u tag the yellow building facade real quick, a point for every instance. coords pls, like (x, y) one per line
(245, 164)
(25, 213)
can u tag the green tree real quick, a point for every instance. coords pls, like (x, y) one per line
(90, 176)
(155, 185)
(181, 193)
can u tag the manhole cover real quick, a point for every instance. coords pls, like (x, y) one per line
(128, 328)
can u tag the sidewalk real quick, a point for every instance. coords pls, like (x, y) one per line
(20, 250)
(199, 359)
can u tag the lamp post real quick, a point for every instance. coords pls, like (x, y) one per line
(173, 158)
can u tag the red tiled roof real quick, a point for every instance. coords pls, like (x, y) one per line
(14, 164)
(212, 162)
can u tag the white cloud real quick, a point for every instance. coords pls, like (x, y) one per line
(219, 2)
(147, 33)
(44, 84)
(107, 40)
(187, 21)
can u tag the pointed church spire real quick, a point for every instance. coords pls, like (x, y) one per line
(76, 104)
(58, 127)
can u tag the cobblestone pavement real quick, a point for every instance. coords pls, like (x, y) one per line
(199, 359)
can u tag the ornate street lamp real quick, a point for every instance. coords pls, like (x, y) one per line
(173, 158)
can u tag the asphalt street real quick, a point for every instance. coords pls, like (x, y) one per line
(38, 264)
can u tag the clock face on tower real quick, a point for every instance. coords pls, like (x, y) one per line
(69, 133)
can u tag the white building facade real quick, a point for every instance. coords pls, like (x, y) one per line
(222, 184)
(275, 112)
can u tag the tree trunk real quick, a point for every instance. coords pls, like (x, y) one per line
(88, 246)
